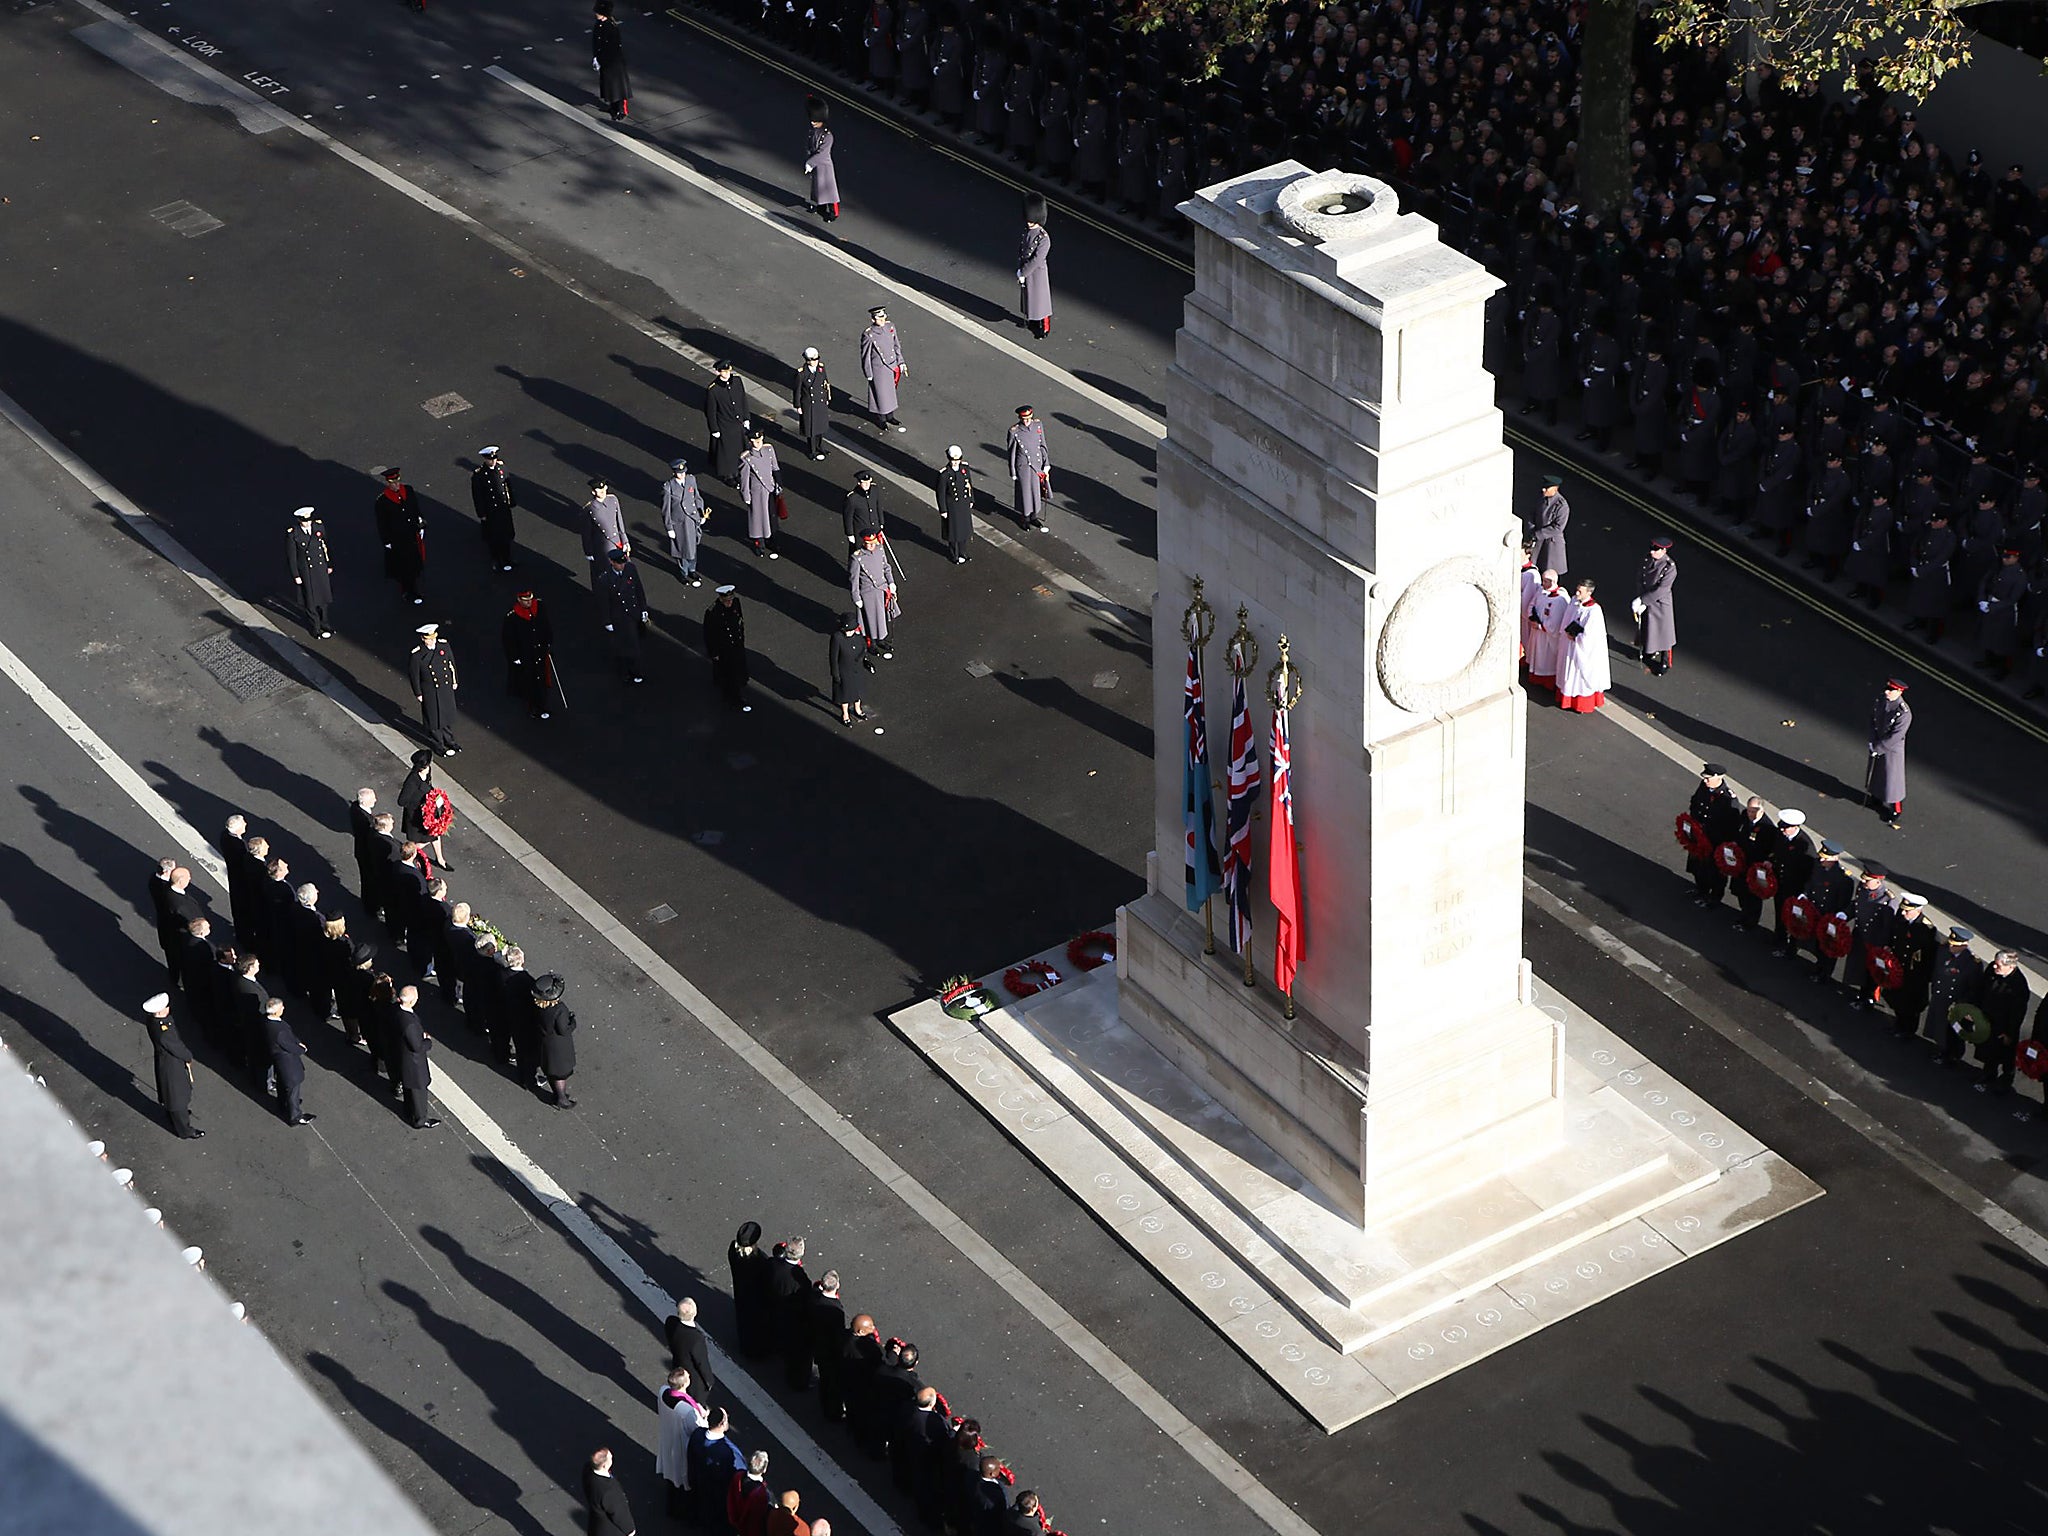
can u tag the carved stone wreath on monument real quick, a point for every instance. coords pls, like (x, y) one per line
(1440, 642)
(1334, 203)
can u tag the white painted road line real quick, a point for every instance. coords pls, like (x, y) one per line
(664, 161)
(472, 1117)
(970, 1244)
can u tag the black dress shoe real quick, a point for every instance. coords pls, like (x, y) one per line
(427, 1124)
(1582, 437)
(192, 1135)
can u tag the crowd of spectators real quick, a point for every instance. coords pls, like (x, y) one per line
(1774, 238)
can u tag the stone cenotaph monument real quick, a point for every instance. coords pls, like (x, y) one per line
(1424, 1158)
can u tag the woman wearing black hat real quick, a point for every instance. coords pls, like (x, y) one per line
(414, 816)
(557, 1038)
(608, 58)
(848, 659)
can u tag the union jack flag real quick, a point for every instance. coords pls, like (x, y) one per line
(1245, 784)
(1198, 805)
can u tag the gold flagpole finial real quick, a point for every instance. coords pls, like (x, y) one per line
(1284, 683)
(1242, 654)
(1198, 623)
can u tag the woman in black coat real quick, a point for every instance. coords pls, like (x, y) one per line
(412, 804)
(608, 53)
(850, 668)
(753, 1307)
(557, 1038)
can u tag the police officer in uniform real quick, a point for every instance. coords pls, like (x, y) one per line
(956, 505)
(490, 491)
(173, 1060)
(433, 686)
(312, 570)
(863, 508)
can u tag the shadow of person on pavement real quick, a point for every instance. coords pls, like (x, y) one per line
(103, 1063)
(474, 1480)
(1106, 721)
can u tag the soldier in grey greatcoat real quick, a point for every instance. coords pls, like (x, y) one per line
(1998, 600)
(956, 505)
(312, 570)
(873, 586)
(1033, 282)
(1649, 408)
(1777, 489)
(812, 396)
(824, 187)
(760, 479)
(882, 365)
(1735, 458)
(1884, 783)
(1030, 469)
(1656, 623)
(1542, 360)
(1929, 570)
(1600, 382)
(683, 515)
(604, 528)
(622, 608)
(1547, 527)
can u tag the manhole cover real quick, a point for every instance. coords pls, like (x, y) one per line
(238, 666)
(188, 219)
(444, 405)
(662, 914)
(1104, 680)
(980, 669)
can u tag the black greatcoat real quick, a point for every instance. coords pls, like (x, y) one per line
(686, 1352)
(404, 535)
(725, 642)
(490, 491)
(725, 420)
(362, 826)
(312, 571)
(608, 47)
(527, 644)
(849, 672)
(956, 509)
(557, 1040)
(433, 684)
(812, 396)
(789, 1290)
(173, 1062)
(753, 1305)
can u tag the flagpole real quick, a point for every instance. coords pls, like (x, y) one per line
(1241, 656)
(1197, 626)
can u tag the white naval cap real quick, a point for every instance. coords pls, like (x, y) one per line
(728, 587)
(124, 1177)
(95, 1149)
(194, 1256)
(304, 514)
(238, 1312)
(952, 450)
(1912, 899)
(488, 453)
(153, 1216)
(160, 1003)
(810, 354)
(428, 629)
(1791, 818)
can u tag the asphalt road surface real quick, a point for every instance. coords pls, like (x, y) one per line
(1870, 1361)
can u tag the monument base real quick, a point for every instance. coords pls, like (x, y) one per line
(1344, 1320)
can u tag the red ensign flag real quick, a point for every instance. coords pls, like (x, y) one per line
(1283, 877)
